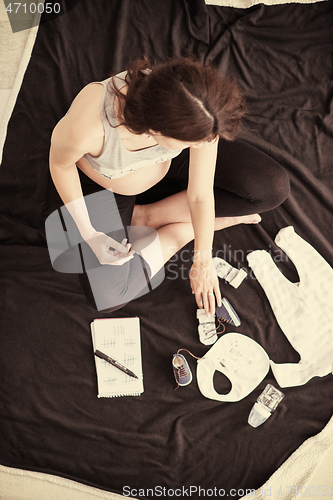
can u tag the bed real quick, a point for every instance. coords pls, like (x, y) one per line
(51, 421)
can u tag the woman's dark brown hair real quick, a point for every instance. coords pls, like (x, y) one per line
(181, 99)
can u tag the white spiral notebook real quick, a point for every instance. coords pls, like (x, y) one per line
(118, 338)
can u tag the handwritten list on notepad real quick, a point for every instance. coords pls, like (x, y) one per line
(118, 338)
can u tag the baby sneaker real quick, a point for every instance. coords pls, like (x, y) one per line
(181, 370)
(227, 313)
(206, 328)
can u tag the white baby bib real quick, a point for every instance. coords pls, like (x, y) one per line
(240, 359)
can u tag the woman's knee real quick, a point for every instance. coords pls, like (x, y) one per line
(270, 190)
(267, 183)
(264, 192)
(279, 187)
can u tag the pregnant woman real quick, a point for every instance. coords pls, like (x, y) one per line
(122, 134)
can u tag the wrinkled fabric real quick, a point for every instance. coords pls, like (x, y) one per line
(50, 417)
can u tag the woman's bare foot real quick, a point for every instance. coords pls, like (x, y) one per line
(223, 222)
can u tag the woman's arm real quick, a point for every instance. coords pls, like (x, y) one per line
(200, 194)
(74, 135)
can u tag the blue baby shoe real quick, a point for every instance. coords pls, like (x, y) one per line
(181, 370)
(227, 313)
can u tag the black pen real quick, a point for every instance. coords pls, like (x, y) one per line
(114, 363)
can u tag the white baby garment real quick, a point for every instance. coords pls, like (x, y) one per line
(303, 310)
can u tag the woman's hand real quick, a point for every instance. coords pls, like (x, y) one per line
(102, 245)
(205, 285)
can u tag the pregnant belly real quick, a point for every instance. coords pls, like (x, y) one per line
(130, 184)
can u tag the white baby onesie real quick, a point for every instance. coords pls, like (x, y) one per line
(303, 310)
